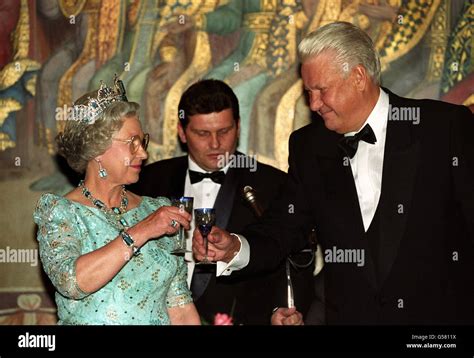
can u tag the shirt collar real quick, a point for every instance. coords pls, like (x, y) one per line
(192, 165)
(378, 117)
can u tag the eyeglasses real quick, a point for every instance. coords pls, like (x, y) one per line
(135, 142)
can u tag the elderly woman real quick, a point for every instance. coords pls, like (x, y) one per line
(105, 249)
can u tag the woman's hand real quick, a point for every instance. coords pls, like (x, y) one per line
(161, 222)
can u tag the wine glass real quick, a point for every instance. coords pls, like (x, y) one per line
(184, 203)
(205, 219)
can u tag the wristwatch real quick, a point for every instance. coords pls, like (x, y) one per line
(127, 239)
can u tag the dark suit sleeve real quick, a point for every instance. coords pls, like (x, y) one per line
(285, 226)
(462, 150)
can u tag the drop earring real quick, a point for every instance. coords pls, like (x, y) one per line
(102, 171)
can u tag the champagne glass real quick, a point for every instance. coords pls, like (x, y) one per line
(205, 219)
(185, 203)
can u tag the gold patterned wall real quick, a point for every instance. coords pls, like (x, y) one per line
(56, 50)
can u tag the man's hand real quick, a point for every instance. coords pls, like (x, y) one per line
(287, 317)
(222, 246)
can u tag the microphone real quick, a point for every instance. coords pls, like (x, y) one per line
(250, 197)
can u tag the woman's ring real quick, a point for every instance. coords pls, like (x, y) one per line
(174, 223)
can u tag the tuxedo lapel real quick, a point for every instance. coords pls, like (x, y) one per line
(342, 199)
(178, 180)
(225, 198)
(399, 173)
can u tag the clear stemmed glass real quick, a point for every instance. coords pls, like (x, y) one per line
(184, 203)
(205, 219)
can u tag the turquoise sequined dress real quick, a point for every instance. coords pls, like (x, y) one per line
(139, 294)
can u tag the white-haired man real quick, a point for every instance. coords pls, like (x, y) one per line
(388, 183)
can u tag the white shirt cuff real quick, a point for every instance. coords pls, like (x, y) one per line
(240, 260)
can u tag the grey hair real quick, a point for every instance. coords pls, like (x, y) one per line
(80, 142)
(352, 46)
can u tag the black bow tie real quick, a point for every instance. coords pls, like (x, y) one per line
(216, 177)
(350, 144)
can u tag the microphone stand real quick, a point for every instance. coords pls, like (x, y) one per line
(251, 198)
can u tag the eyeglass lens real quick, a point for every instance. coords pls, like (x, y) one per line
(137, 142)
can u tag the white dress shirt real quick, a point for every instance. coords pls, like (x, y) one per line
(367, 167)
(204, 194)
(367, 163)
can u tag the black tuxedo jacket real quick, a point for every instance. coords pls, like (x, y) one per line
(253, 296)
(423, 270)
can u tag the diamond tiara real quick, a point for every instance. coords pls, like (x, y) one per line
(96, 105)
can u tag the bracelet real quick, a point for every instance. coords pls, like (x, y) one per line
(127, 239)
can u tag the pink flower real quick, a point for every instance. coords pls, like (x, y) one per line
(222, 319)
